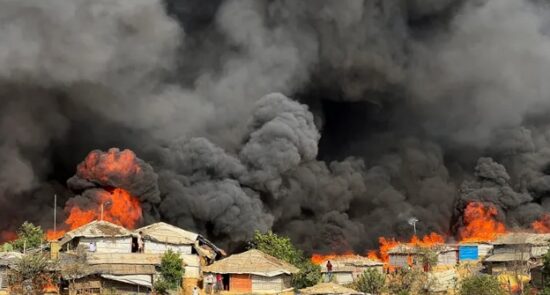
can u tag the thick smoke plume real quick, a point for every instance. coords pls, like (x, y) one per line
(332, 122)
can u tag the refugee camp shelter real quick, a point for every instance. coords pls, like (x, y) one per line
(346, 269)
(109, 284)
(473, 251)
(160, 237)
(107, 238)
(253, 271)
(517, 252)
(122, 273)
(328, 289)
(406, 255)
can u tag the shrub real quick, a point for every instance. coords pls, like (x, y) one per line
(371, 281)
(481, 285)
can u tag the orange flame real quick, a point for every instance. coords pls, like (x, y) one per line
(386, 244)
(50, 287)
(101, 166)
(7, 236)
(480, 224)
(119, 207)
(320, 258)
(542, 226)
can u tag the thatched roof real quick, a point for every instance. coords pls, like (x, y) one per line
(96, 229)
(161, 232)
(329, 288)
(523, 238)
(165, 233)
(252, 262)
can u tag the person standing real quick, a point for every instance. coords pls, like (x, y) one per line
(329, 270)
(140, 242)
(209, 280)
(219, 282)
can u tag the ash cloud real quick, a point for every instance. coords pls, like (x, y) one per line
(391, 109)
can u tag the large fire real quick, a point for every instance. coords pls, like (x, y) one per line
(386, 244)
(542, 226)
(119, 207)
(480, 224)
(115, 205)
(113, 163)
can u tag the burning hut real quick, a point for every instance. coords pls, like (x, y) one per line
(517, 253)
(406, 255)
(253, 271)
(328, 289)
(346, 269)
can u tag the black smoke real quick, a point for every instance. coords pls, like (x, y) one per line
(389, 109)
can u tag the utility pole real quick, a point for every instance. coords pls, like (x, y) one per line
(412, 221)
(102, 205)
(55, 215)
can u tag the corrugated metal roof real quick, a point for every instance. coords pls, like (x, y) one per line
(141, 280)
(165, 233)
(96, 229)
(252, 262)
(329, 288)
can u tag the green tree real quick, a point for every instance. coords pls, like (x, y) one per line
(282, 248)
(371, 281)
(481, 285)
(28, 236)
(171, 272)
(546, 273)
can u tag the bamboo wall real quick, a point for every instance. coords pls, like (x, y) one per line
(154, 247)
(266, 284)
(109, 245)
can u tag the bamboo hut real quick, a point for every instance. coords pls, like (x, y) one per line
(253, 271)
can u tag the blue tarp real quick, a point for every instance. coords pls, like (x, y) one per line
(469, 252)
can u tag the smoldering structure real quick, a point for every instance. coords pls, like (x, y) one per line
(332, 122)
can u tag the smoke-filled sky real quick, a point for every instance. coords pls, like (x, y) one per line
(332, 122)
